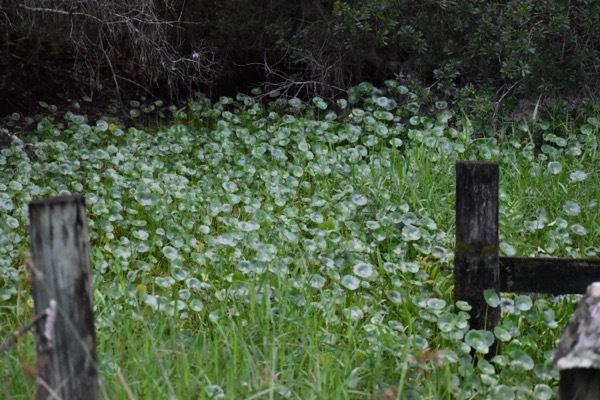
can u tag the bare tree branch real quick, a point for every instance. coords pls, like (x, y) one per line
(128, 38)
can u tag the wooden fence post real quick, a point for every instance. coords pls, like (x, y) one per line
(476, 256)
(66, 365)
(577, 355)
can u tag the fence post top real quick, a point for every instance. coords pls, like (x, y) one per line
(76, 198)
(476, 162)
(593, 290)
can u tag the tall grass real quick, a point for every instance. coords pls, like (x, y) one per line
(245, 253)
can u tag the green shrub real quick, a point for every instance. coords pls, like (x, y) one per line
(524, 46)
(319, 47)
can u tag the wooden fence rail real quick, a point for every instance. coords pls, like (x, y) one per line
(547, 275)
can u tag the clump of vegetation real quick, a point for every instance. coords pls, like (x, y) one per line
(294, 250)
(511, 48)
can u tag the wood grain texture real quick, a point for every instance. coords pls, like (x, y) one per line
(554, 276)
(476, 255)
(61, 268)
(578, 353)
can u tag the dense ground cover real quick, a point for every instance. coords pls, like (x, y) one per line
(286, 251)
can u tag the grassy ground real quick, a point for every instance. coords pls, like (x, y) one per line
(244, 253)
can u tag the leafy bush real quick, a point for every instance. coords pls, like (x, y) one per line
(318, 47)
(524, 46)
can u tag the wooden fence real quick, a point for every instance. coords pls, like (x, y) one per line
(478, 267)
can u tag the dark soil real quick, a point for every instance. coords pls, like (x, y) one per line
(26, 85)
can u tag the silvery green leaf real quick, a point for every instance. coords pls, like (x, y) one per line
(491, 298)
(507, 249)
(350, 282)
(363, 270)
(578, 230)
(320, 103)
(577, 176)
(394, 296)
(317, 281)
(523, 302)
(554, 167)
(571, 208)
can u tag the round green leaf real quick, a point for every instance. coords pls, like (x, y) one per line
(523, 302)
(491, 298)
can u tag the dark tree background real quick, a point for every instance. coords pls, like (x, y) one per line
(115, 50)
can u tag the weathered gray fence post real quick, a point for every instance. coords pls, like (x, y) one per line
(60, 258)
(476, 254)
(577, 355)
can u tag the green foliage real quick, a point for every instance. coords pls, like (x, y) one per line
(320, 48)
(530, 46)
(294, 250)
